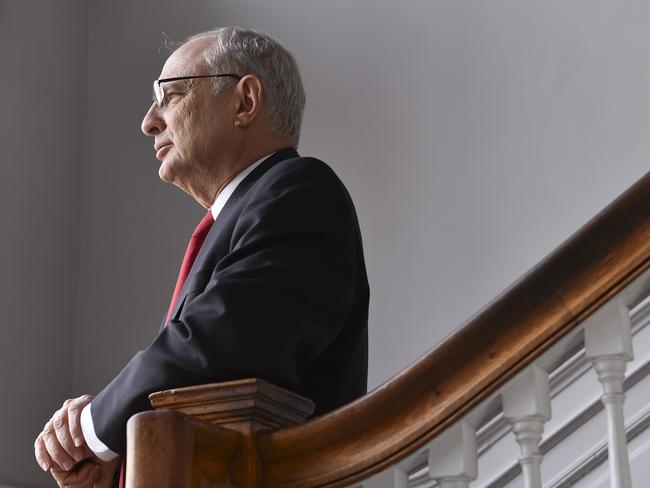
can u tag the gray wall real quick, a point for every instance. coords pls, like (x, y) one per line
(42, 87)
(473, 136)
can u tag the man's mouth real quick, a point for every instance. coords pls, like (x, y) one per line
(162, 150)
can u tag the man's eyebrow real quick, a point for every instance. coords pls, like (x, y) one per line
(177, 84)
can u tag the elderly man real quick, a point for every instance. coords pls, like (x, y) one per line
(273, 284)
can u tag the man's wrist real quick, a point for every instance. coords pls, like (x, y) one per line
(101, 450)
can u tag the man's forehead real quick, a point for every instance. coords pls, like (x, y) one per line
(186, 60)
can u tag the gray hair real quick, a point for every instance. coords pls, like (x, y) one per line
(244, 51)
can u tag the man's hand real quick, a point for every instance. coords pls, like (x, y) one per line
(90, 473)
(61, 444)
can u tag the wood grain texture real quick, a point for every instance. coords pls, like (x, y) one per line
(236, 404)
(167, 449)
(206, 435)
(409, 410)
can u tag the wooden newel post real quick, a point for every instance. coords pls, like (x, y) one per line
(206, 435)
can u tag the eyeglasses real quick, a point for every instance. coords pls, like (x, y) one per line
(159, 92)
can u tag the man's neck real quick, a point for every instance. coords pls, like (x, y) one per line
(248, 157)
(230, 188)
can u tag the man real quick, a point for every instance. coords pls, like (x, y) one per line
(278, 287)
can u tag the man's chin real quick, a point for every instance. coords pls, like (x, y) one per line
(165, 174)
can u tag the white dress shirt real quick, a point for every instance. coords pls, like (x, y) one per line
(100, 449)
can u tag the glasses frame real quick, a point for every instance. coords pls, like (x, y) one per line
(159, 91)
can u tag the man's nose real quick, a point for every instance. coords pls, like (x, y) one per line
(152, 123)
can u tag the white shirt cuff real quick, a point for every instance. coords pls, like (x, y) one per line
(100, 449)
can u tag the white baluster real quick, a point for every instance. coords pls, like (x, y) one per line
(527, 405)
(608, 343)
(453, 457)
(393, 477)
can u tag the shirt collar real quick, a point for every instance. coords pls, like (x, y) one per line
(229, 189)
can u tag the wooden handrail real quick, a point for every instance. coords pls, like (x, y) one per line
(206, 435)
(409, 410)
(406, 412)
(170, 450)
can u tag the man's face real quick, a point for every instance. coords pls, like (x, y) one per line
(193, 128)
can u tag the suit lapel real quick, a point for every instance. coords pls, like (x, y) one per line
(227, 211)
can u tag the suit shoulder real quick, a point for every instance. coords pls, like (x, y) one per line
(307, 170)
(299, 187)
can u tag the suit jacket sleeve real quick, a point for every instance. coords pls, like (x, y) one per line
(270, 307)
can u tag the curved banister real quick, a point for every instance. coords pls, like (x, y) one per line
(406, 412)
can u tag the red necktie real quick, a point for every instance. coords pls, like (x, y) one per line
(196, 241)
(193, 248)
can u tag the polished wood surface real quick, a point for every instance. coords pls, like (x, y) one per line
(242, 404)
(405, 413)
(167, 449)
(412, 408)
(206, 435)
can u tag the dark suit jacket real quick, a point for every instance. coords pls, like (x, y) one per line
(278, 291)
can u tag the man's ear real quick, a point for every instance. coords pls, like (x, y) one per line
(248, 100)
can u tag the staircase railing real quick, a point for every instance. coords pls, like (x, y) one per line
(421, 426)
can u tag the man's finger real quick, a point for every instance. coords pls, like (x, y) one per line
(74, 418)
(60, 424)
(105, 473)
(59, 476)
(42, 457)
(84, 477)
(55, 450)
